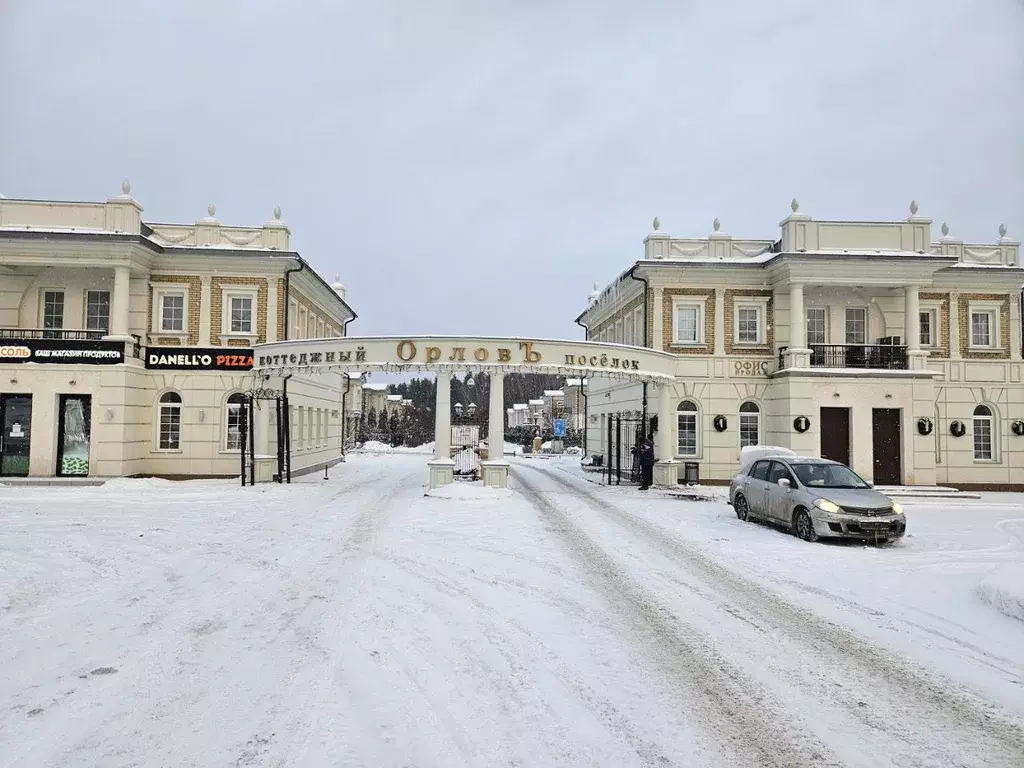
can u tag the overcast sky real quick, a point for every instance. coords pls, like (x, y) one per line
(472, 167)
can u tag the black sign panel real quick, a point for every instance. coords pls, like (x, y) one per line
(198, 359)
(59, 351)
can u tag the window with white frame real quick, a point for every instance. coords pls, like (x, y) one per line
(300, 426)
(97, 311)
(319, 328)
(241, 314)
(817, 325)
(233, 422)
(856, 325)
(749, 316)
(168, 430)
(638, 327)
(628, 337)
(984, 328)
(172, 312)
(53, 309)
(618, 331)
(983, 439)
(688, 322)
(750, 424)
(309, 427)
(689, 435)
(311, 326)
(928, 327)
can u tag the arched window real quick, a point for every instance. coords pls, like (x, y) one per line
(169, 422)
(689, 434)
(750, 424)
(233, 422)
(983, 434)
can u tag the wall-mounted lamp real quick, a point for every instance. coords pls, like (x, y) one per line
(334, 414)
(835, 394)
(110, 414)
(14, 380)
(202, 416)
(72, 382)
(888, 396)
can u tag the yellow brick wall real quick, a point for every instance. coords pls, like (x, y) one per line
(217, 284)
(943, 350)
(766, 349)
(281, 303)
(965, 326)
(195, 288)
(709, 321)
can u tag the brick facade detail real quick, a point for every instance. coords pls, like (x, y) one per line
(942, 352)
(1003, 352)
(734, 296)
(217, 286)
(708, 346)
(195, 291)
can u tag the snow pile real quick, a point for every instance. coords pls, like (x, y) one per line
(375, 446)
(469, 492)
(1004, 590)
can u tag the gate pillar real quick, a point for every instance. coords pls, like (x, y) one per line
(442, 468)
(495, 469)
(666, 469)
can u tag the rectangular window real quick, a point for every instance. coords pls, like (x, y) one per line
(750, 429)
(53, 309)
(688, 325)
(983, 438)
(629, 339)
(638, 327)
(172, 312)
(320, 329)
(233, 440)
(688, 434)
(981, 328)
(97, 311)
(170, 427)
(856, 325)
(301, 427)
(927, 327)
(748, 325)
(293, 320)
(241, 314)
(817, 325)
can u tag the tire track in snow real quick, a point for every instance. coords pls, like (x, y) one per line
(984, 725)
(730, 704)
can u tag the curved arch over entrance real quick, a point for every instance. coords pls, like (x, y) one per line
(445, 355)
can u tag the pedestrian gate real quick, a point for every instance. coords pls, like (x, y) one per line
(624, 435)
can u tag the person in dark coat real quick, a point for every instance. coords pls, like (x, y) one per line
(646, 465)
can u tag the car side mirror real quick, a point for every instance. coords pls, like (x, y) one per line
(784, 482)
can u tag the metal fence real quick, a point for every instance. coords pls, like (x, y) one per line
(623, 461)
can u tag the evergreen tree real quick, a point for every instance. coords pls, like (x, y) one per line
(382, 422)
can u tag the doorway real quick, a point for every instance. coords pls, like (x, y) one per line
(885, 441)
(835, 434)
(15, 435)
(74, 431)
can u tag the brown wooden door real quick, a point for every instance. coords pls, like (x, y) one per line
(835, 434)
(885, 440)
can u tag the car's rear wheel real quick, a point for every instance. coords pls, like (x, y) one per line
(803, 525)
(741, 507)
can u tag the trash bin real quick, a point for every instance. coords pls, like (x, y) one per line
(691, 473)
(598, 460)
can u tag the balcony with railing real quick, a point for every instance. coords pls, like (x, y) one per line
(71, 335)
(886, 357)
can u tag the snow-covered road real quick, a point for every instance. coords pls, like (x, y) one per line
(357, 622)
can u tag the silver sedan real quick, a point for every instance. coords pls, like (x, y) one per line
(815, 498)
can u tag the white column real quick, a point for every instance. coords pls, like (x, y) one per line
(1015, 340)
(495, 469)
(657, 337)
(442, 468)
(797, 356)
(666, 469)
(797, 321)
(912, 317)
(954, 325)
(443, 416)
(496, 418)
(120, 302)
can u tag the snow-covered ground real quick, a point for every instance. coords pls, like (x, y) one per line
(359, 622)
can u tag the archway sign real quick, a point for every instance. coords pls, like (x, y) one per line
(447, 355)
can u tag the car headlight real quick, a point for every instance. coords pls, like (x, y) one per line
(826, 506)
(897, 509)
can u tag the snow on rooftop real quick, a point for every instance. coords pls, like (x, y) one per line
(394, 398)
(519, 406)
(536, 402)
(554, 393)
(575, 382)
(375, 387)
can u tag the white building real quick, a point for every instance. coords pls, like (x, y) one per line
(518, 415)
(904, 359)
(125, 346)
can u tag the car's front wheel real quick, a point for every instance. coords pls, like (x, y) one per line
(803, 525)
(740, 505)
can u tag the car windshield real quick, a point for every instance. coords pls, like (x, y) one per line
(828, 476)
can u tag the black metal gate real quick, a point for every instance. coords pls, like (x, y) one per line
(624, 434)
(247, 433)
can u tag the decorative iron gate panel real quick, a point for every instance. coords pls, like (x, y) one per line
(624, 434)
